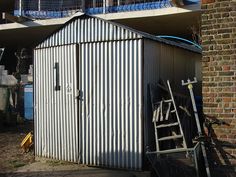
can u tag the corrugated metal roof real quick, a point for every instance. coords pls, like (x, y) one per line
(138, 33)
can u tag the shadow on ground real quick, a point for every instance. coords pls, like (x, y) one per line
(82, 173)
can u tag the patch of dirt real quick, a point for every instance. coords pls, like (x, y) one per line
(43, 164)
(11, 155)
(15, 163)
(14, 160)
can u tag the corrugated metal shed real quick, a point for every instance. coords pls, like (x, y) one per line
(90, 91)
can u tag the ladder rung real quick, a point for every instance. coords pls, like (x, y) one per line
(167, 101)
(167, 125)
(170, 137)
(172, 150)
(173, 111)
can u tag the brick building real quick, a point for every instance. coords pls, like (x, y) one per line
(219, 75)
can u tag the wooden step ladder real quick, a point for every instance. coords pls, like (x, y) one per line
(162, 113)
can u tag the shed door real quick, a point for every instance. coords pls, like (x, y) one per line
(111, 104)
(56, 107)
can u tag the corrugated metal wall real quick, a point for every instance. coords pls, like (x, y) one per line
(56, 112)
(113, 93)
(165, 62)
(110, 112)
(169, 63)
(86, 29)
(111, 107)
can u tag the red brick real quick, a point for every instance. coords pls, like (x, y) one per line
(219, 69)
(207, 1)
(226, 68)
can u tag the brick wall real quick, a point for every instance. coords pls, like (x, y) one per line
(219, 71)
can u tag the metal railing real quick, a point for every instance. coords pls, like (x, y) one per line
(101, 3)
(48, 4)
(47, 8)
(63, 8)
(112, 6)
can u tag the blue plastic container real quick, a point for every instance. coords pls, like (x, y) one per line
(28, 102)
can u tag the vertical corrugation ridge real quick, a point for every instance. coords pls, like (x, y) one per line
(90, 30)
(56, 135)
(111, 108)
(110, 121)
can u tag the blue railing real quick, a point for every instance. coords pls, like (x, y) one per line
(130, 7)
(44, 14)
(47, 8)
(65, 8)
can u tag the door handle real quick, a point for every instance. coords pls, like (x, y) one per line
(57, 87)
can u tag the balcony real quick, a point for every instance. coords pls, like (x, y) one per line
(46, 9)
(98, 7)
(43, 9)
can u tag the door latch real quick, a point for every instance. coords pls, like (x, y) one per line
(79, 95)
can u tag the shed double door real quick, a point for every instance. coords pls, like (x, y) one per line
(104, 129)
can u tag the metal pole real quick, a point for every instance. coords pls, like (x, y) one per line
(94, 3)
(83, 5)
(190, 88)
(20, 7)
(104, 6)
(39, 5)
